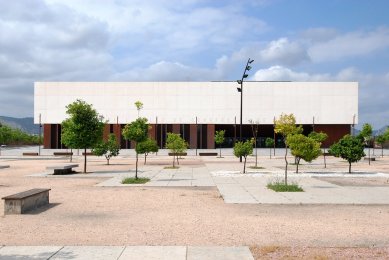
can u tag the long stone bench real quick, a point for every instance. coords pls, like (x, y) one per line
(62, 153)
(30, 154)
(62, 168)
(178, 154)
(22, 202)
(208, 154)
(2, 166)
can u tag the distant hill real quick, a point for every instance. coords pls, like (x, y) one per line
(26, 124)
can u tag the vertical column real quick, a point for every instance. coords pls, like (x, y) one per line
(176, 128)
(193, 136)
(210, 136)
(153, 131)
(47, 136)
(106, 132)
(117, 132)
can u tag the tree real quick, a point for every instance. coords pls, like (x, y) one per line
(366, 136)
(286, 125)
(243, 149)
(219, 139)
(269, 142)
(146, 147)
(303, 147)
(109, 149)
(349, 148)
(176, 145)
(83, 129)
(136, 131)
(320, 137)
(381, 139)
(139, 106)
(254, 129)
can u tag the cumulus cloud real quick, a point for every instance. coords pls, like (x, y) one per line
(372, 88)
(282, 51)
(351, 44)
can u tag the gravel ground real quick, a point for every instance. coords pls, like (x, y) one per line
(82, 214)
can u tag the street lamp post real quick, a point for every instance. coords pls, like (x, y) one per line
(240, 82)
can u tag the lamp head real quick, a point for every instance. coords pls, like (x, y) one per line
(239, 81)
(239, 89)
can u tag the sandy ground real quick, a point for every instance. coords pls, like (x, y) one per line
(82, 214)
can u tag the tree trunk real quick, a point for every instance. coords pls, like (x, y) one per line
(106, 157)
(349, 167)
(297, 164)
(286, 165)
(256, 154)
(220, 151)
(145, 158)
(174, 159)
(71, 155)
(136, 167)
(244, 165)
(369, 154)
(270, 152)
(178, 163)
(85, 160)
(382, 150)
(324, 155)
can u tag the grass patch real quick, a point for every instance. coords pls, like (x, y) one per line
(256, 167)
(171, 167)
(132, 180)
(281, 187)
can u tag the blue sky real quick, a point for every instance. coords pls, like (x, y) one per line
(194, 40)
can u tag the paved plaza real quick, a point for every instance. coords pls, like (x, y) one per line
(125, 253)
(206, 207)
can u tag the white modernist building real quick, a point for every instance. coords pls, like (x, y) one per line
(197, 109)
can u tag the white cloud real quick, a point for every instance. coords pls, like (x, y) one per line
(282, 51)
(352, 44)
(279, 73)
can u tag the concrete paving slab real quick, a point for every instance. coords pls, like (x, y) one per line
(219, 253)
(28, 252)
(154, 253)
(89, 252)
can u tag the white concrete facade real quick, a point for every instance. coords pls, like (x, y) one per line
(210, 102)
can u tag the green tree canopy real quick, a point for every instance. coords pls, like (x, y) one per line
(136, 131)
(318, 136)
(243, 149)
(286, 125)
(303, 147)
(176, 145)
(219, 139)
(269, 142)
(84, 127)
(349, 148)
(146, 147)
(109, 149)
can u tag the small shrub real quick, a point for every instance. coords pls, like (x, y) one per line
(282, 187)
(171, 167)
(132, 180)
(256, 167)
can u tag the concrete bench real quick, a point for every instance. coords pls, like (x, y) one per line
(371, 158)
(2, 166)
(208, 154)
(62, 169)
(62, 154)
(22, 202)
(178, 154)
(30, 154)
(87, 154)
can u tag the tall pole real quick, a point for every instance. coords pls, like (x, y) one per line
(240, 82)
(40, 134)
